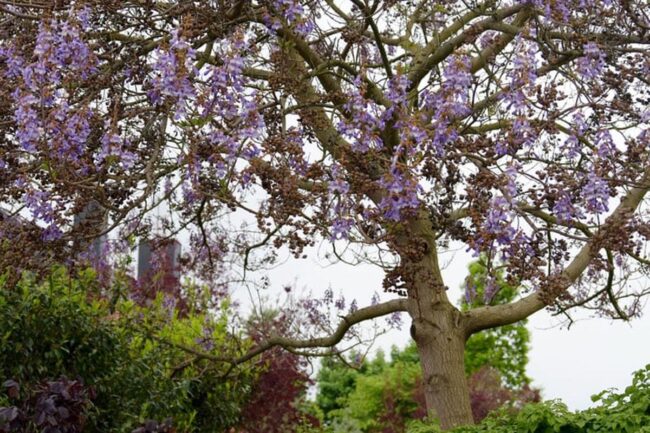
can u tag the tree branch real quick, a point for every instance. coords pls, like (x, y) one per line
(434, 53)
(492, 316)
(346, 323)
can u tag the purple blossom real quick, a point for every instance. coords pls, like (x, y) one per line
(114, 147)
(564, 209)
(511, 179)
(491, 289)
(206, 340)
(470, 291)
(39, 203)
(592, 63)
(397, 94)
(29, 127)
(173, 68)
(402, 194)
(341, 228)
(337, 185)
(452, 99)
(497, 221)
(83, 17)
(42, 206)
(572, 143)
(328, 296)
(522, 132)
(604, 143)
(169, 305)
(394, 320)
(52, 233)
(293, 12)
(15, 64)
(596, 194)
(522, 77)
(580, 124)
(339, 304)
(365, 122)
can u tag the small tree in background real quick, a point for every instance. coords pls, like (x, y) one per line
(278, 396)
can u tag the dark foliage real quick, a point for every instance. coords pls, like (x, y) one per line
(278, 395)
(58, 406)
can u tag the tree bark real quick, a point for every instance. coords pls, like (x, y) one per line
(438, 328)
(441, 346)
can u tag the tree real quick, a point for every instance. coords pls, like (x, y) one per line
(516, 128)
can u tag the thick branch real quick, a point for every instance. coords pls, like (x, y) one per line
(499, 315)
(346, 323)
(435, 54)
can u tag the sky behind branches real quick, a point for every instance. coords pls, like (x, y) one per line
(568, 364)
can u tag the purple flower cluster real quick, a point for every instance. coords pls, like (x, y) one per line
(572, 144)
(228, 102)
(42, 111)
(592, 63)
(449, 102)
(401, 194)
(470, 291)
(173, 69)
(115, 150)
(44, 208)
(341, 227)
(604, 143)
(29, 127)
(491, 289)
(396, 93)
(338, 185)
(497, 225)
(342, 221)
(522, 132)
(67, 130)
(394, 320)
(366, 121)
(293, 13)
(565, 210)
(595, 193)
(206, 340)
(522, 77)
(564, 9)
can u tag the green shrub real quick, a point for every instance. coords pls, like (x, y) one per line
(626, 412)
(55, 329)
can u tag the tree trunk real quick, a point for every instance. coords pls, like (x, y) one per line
(439, 332)
(441, 346)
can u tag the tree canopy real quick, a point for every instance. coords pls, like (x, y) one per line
(391, 130)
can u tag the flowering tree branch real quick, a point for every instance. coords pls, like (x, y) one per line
(488, 317)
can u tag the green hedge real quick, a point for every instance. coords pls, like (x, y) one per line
(625, 412)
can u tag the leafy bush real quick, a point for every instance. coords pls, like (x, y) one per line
(59, 328)
(625, 412)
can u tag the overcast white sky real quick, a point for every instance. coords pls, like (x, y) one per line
(572, 365)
